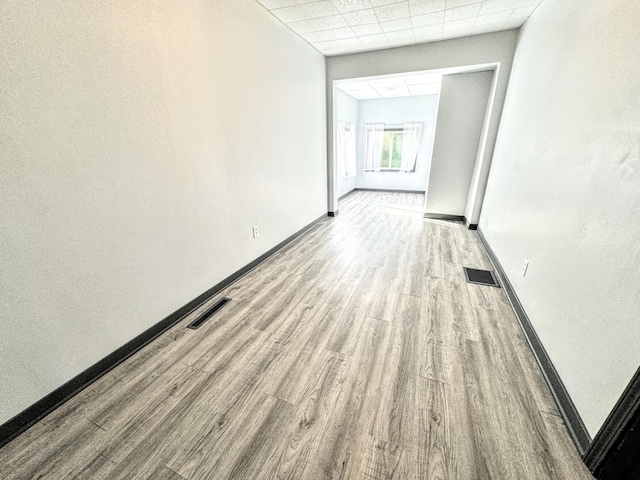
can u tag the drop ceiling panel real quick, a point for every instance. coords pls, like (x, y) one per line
(392, 86)
(424, 89)
(419, 7)
(397, 92)
(354, 86)
(387, 82)
(336, 27)
(366, 94)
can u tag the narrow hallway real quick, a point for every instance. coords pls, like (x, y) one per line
(357, 351)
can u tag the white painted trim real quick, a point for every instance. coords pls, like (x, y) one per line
(475, 198)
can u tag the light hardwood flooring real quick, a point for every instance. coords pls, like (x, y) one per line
(357, 352)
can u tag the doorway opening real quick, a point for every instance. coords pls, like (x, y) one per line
(393, 118)
(451, 110)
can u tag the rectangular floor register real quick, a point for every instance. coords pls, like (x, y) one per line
(481, 277)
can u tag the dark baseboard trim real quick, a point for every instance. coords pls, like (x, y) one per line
(350, 192)
(469, 225)
(36, 412)
(576, 427)
(443, 216)
(334, 214)
(385, 190)
(613, 450)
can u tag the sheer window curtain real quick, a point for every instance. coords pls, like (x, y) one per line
(374, 135)
(411, 135)
(341, 140)
(346, 150)
(350, 151)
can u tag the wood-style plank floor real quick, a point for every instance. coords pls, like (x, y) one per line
(357, 352)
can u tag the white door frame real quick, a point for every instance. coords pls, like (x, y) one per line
(482, 165)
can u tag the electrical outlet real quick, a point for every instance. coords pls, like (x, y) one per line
(525, 266)
(256, 232)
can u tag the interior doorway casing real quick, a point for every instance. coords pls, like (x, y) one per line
(483, 160)
(457, 180)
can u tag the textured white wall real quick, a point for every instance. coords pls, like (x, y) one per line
(461, 116)
(139, 142)
(564, 193)
(396, 111)
(347, 111)
(476, 50)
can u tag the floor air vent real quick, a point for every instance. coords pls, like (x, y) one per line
(481, 277)
(210, 312)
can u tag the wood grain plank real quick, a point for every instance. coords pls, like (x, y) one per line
(434, 449)
(385, 298)
(34, 455)
(312, 417)
(357, 351)
(340, 452)
(466, 454)
(99, 468)
(254, 454)
(350, 324)
(394, 421)
(298, 366)
(435, 332)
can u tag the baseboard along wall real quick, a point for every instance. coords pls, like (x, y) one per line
(577, 429)
(46, 405)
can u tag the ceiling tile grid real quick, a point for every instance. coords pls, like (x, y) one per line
(392, 86)
(336, 27)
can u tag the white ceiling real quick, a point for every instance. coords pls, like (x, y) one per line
(336, 27)
(392, 86)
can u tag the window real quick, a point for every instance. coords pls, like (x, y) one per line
(391, 158)
(391, 148)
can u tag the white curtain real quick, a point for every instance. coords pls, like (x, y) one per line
(350, 151)
(341, 141)
(374, 137)
(346, 150)
(411, 135)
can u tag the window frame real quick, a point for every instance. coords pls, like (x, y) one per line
(395, 130)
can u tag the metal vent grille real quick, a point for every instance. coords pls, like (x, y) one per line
(481, 277)
(208, 314)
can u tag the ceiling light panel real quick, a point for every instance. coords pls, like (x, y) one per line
(345, 26)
